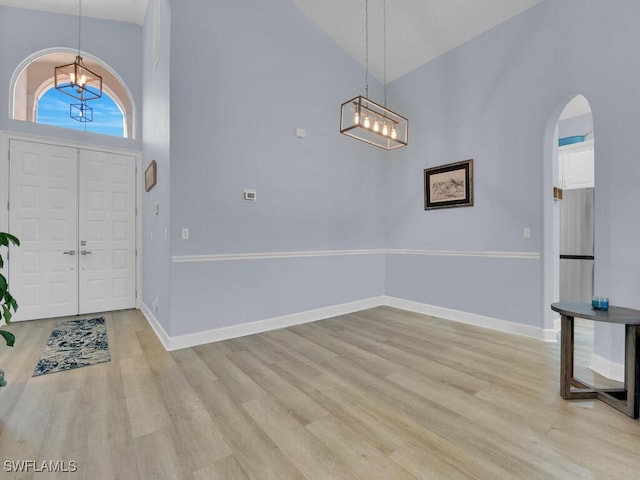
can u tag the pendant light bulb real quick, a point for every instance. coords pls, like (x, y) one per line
(356, 118)
(367, 122)
(385, 130)
(376, 126)
(394, 133)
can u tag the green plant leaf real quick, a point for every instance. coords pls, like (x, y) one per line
(7, 302)
(9, 337)
(7, 314)
(7, 238)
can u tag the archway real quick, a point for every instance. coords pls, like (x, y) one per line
(571, 129)
(34, 77)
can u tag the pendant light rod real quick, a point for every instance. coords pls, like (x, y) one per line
(79, 24)
(366, 48)
(384, 49)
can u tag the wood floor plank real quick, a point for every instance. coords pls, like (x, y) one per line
(197, 439)
(355, 451)
(192, 367)
(307, 453)
(157, 458)
(147, 410)
(379, 394)
(227, 468)
(250, 445)
(301, 406)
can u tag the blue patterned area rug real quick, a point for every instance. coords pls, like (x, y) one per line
(74, 344)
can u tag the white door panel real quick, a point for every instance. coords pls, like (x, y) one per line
(107, 231)
(81, 202)
(43, 215)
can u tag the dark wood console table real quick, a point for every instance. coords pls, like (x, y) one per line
(624, 399)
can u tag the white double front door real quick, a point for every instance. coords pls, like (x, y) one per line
(74, 213)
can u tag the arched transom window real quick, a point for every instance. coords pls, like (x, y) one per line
(35, 99)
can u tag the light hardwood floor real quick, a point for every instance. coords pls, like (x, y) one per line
(382, 394)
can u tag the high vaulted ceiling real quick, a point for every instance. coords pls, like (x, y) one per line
(131, 11)
(417, 31)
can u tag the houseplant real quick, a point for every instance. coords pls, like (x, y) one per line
(7, 302)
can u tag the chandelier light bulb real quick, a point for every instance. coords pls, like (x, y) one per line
(385, 130)
(394, 134)
(376, 126)
(367, 122)
(356, 118)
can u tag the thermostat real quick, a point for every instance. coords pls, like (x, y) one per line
(249, 195)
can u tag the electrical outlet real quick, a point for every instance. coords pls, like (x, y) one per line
(185, 234)
(155, 304)
(526, 232)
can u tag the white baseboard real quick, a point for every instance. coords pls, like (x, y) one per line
(547, 335)
(259, 326)
(161, 333)
(607, 368)
(250, 328)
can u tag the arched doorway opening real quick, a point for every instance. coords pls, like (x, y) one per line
(33, 81)
(570, 158)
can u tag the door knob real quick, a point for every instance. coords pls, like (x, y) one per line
(69, 252)
(85, 252)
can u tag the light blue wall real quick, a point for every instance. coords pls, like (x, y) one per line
(241, 82)
(494, 100)
(156, 250)
(25, 32)
(236, 78)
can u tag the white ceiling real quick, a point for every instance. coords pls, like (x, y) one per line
(417, 30)
(131, 11)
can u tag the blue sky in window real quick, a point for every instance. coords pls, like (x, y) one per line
(53, 109)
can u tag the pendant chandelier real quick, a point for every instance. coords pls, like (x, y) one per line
(79, 82)
(366, 120)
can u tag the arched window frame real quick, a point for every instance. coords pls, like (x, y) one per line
(129, 115)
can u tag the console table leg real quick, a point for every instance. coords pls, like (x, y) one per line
(566, 355)
(631, 380)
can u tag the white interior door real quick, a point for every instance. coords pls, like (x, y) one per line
(43, 209)
(106, 231)
(74, 213)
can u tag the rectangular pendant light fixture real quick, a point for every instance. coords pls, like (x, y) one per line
(368, 121)
(372, 123)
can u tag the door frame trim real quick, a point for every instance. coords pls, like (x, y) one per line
(6, 137)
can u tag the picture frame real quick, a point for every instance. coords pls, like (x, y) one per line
(150, 176)
(449, 185)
